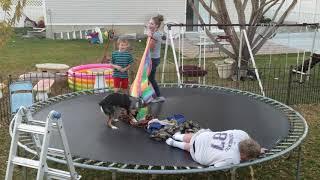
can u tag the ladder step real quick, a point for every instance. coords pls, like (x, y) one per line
(53, 173)
(31, 129)
(58, 174)
(25, 162)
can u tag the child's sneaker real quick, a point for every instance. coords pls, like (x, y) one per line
(158, 99)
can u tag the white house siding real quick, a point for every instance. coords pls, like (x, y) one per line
(66, 15)
(33, 9)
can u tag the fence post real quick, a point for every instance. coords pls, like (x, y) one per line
(9, 82)
(289, 86)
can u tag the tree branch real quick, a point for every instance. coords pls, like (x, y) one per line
(212, 38)
(211, 12)
(280, 21)
(268, 28)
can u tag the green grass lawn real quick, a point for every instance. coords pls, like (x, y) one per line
(21, 55)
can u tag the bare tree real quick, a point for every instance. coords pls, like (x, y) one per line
(219, 12)
(12, 13)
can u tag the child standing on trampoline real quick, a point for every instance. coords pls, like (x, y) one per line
(155, 47)
(217, 148)
(121, 61)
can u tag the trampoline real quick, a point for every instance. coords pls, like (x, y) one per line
(129, 149)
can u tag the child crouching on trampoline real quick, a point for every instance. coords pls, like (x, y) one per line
(217, 148)
(113, 102)
(121, 62)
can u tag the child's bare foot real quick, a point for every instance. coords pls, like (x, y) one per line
(115, 120)
(113, 127)
(134, 120)
(108, 123)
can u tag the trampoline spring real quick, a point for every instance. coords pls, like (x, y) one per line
(269, 154)
(42, 103)
(112, 164)
(298, 130)
(56, 98)
(285, 143)
(38, 105)
(88, 161)
(77, 159)
(282, 147)
(99, 163)
(24, 136)
(275, 150)
(25, 140)
(136, 166)
(65, 96)
(289, 111)
(295, 123)
(51, 101)
(296, 119)
(291, 140)
(29, 144)
(293, 136)
(124, 166)
(297, 127)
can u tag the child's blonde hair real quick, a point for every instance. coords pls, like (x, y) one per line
(158, 20)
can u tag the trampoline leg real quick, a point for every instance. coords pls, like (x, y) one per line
(298, 164)
(233, 173)
(251, 172)
(153, 176)
(114, 175)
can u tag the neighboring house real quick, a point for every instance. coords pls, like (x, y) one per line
(125, 16)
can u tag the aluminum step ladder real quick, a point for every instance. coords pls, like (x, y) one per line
(24, 123)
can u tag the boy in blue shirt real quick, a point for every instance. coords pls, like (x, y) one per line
(121, 61)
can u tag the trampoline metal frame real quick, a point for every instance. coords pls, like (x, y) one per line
(297, 133)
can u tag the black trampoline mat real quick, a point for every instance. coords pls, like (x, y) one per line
(88, 136)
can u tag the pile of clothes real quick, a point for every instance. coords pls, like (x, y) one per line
(160, 130)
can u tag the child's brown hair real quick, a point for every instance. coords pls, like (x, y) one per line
(122, 40)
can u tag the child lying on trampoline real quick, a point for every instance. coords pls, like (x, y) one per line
(111, 103)
(217, 148)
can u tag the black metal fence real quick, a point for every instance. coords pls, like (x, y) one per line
(279, 83)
